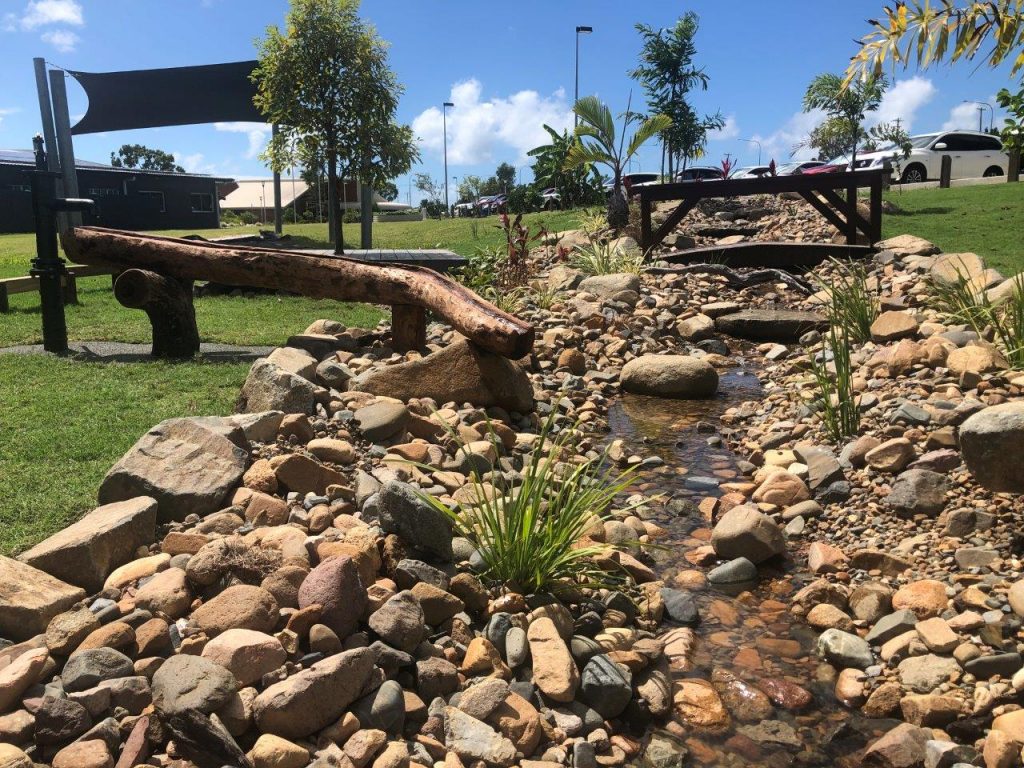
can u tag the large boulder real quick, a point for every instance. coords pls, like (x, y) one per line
(908, 245)
(86, 552)
(678, 376)
(611, 286)
(188, 465)
(992, 442)
(461, 372)
(268, 387)
(29, 598)
(404, 513)
(770, 324)
(314, 698)
(949, 268)
(746, 532)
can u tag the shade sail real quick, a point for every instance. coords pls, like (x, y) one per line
(150, 98)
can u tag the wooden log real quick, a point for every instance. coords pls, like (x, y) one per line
(315, 276)
(408, 327)
(168, 303)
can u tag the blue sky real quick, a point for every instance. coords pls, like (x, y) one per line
(507, 67)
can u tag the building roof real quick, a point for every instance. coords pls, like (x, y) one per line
(259, 193)
(27, 158)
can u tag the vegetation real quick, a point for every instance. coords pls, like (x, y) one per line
(532, 537)
(606, 148)
(833, 375)
(606, 258)
(847, 104)
(72, 420)
(325, 80)
(927, 32)
(849, 302)
(962, 301)
(1012, 133)
(577, 185)
(144, 158)
(668, 74)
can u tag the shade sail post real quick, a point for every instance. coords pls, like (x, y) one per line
(65, 147)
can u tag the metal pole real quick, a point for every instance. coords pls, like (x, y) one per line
(46, 115)
(278, 217)
(295, 208)
(47, 266)
(981, 116)
(576, 89)
(65, 147)
(444, 123)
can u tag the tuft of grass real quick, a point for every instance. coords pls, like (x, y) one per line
(961, 301)
(838, 401)
(597, 258)
(532, 538)
(543, 294)
(851, 304)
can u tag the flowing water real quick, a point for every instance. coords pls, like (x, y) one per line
(752, 635)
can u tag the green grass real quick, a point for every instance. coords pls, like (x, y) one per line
(987, 220)
(63, 424)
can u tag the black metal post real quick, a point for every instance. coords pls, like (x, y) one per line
(47, 265)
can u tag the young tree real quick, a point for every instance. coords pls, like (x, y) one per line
(603, 148)
(927, 32)
(325, 79)
(469, 188)
(577, 185)
(832, 138)
(668, 74)
(848, 103)
(505, 176)
(144, 158)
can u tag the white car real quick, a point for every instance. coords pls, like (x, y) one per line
(974, 154)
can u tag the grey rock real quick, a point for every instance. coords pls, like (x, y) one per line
(992, 441)
(893, 625)
(473, 740)
(918, 491)
(681, 607)
(605, 686)
(187, 682)
(382, 420)
(738, 571)
(86, 669)
(269, 387)
(923, 674)
(384, 709)
(782, 325)
(400, 622)
(59, 721)
(843, 649)
(744, 531)
(404, 513)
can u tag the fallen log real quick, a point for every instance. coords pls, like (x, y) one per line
(314, 276)
(168, 303)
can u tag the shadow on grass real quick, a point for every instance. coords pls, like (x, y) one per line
(935, 210)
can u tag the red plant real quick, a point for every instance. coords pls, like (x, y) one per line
(771, 168)
(728, 165)
(516, 270)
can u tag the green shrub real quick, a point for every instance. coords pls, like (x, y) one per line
(850, 303)
(248, 217)
(597, 258)
(529, 536)
(524, 198)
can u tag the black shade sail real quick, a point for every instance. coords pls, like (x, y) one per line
(151, 98)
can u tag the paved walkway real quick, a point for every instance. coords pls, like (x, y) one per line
(116, 352)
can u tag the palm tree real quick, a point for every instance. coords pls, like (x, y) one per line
(931, 32)
(598, 145)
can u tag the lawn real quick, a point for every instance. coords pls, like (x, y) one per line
(987, 220)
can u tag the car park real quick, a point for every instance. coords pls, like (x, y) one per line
(974, 155)
(797, 167)
(750, 172)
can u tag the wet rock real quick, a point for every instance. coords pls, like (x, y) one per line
(991, 441)
(843, 649)
(902, 747)
(735, 572)
(744, 532)
(605, 686)
(782, 325)
(461, 372)
(680, 607)
(188, 465)
(676, 376)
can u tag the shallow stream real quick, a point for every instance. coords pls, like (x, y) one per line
(752, 635)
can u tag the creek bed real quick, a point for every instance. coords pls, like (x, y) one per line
(752, 635)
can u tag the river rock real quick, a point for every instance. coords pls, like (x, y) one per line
(400, 622)
(748, 533)
(462, 372)
(188, 465)
(315, 697)
(20, 675)
(473, 740)
(892, 325)
(239, 607)
(335, 586)
(844, 650)
(606, 687)
(87, 551)
(554, 671)
(908, 245)
(187, 682)
(991, 441)
(675, 376)
(29, 598)
(246, 654)
(923, 674)
(404, 513)
(87, 669)
(782, 325)
(268, 387)
(902, 747)
(918, 491)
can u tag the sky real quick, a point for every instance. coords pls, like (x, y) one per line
(508, 68)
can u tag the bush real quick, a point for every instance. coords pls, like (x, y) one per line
(435, 208)
(524, 198)
(600, 258)
(529, 537)
(248, 217)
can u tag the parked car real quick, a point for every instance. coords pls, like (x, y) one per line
(974, 154)
(836, 165)
(462, 210)
(552, 200)
(750, 172)
(797, 167)
(699, 173)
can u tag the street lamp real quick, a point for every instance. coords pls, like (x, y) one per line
(576, 92)
(755, 141)
(444, 122)
(981, 113)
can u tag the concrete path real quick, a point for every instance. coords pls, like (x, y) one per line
(117, 352)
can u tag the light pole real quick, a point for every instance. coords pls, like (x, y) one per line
(444, 123)
(576, 92)
(455, 180)
(755, 141)
(981, 113)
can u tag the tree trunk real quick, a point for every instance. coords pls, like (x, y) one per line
(314, 276)
(365, 217)
(168, 302)
(618, 206)
(333, 215)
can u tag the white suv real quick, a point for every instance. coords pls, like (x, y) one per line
(974, 155)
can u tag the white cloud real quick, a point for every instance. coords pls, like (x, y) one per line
(64, 40)
(44, 12)
(258, 133)
(730, 130)
(478, 130)
(194, 163)
(965, 116)
(9, 111)
(779, 145)
(902, 101)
